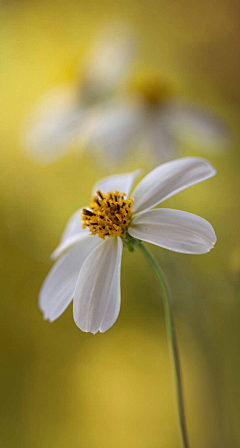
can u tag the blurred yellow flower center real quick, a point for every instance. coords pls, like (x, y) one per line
(152, 89)
(108, 214)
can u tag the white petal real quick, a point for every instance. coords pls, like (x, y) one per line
(157, 138)
(110, 61)
(74, 226)
(112, 127)
(198, 125)
(174, 230)
(168, 179)
(68, 243)
(58, 288)
(120, 182)
(54, 125)
(73, 233)
(96, 302)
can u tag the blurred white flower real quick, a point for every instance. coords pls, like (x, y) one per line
(88, 270)
(151, 118)
(64, 111)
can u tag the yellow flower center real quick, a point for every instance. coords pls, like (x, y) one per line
(108, 214)
(152, 89)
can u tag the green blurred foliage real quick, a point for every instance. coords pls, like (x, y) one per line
(61, 387)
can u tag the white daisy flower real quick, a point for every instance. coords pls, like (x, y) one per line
(65, 110)
(155, 120)
(90, 251)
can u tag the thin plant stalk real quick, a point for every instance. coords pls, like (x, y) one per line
(172, 339)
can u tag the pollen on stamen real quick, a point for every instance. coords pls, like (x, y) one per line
(108, 214)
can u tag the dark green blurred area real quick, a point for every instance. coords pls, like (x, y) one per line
(64, 388)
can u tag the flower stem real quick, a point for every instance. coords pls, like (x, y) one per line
(172, 339)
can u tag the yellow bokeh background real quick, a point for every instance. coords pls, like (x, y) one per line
(63, 388)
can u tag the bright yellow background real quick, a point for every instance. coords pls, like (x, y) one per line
(63, 388)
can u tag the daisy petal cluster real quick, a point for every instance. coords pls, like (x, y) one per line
(65, 111)
(88, 264)
(90, 113)
(158, 126)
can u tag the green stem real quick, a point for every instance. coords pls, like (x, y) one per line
(172, 342)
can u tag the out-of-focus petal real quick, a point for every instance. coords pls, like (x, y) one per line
(54, 125)
(58, 288)
(169, 179)
(199, 126)
(110, 61)
(174, 230)
(113, 127)
(157, 138)
(120, 182)
(96, 302)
